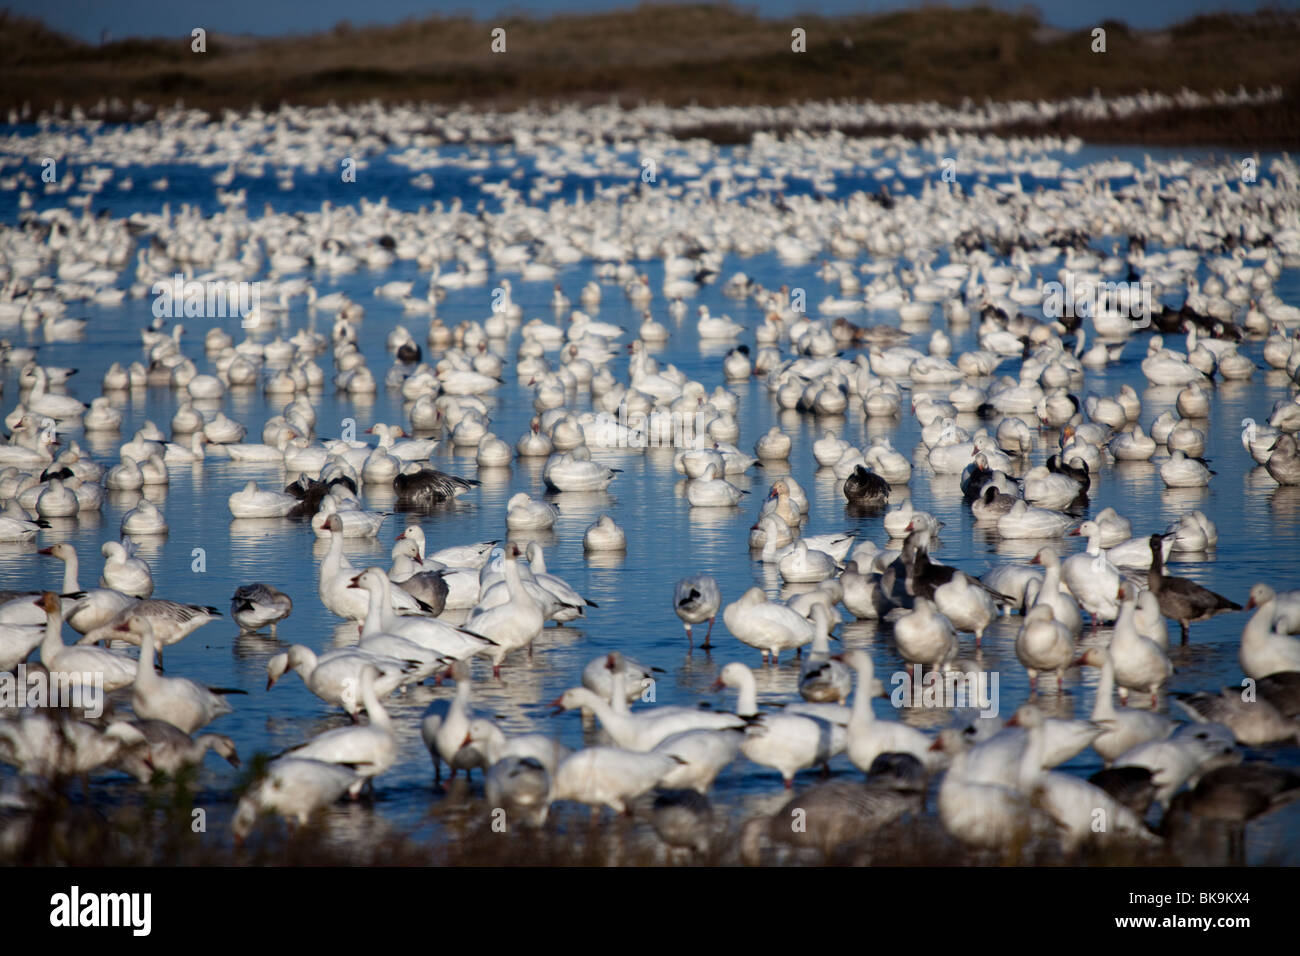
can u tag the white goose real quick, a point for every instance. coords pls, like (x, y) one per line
(497, 745)
(609, 776)
(438, 636)
(94, 607)
(124, 572)
(81, 664)
(642, 730)
(1140, 663)
(770, 627)
(786, 742)
(696, 599)
(445, 729)
(1124, 727)
(868, 737)
(180, 702)
(335, 583)
(293, 787)
(335, 675)
(369, 749)
(1265, 649)
(1071, 801)
(514, 624)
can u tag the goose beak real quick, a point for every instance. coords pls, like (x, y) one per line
(1074, 533)
(1251, 603)
(45, 551)
(1013, 722)
(717, 685)
(401, 537)
(1081, 662)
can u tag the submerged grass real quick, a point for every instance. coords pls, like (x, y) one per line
(62, 827)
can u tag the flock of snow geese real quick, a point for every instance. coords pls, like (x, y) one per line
(1208, 248)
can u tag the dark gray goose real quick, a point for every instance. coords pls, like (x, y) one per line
(421, 487)
(1284, 463)
(1181, 598)
(254, 606)
(1282, 690)
(866, 489)
(1224, 800)
(842, 811)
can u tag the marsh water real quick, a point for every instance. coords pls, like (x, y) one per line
(1258, 522)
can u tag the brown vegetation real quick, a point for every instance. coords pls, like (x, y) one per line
(709, 54)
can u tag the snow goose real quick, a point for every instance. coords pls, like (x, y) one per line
(1254, 723)
(369, 749)
(1044, 644)
(864, 488)
(171, 750)
(604, 535)
(335, 675)
(786, 742)
(765, 625)
(253, 502)
(924, 636)
(334, 582)
(85, 610)
(1024, 521)
(572, 604)
(445, 729)
(180, 702)
(514, 624)
(696, 599)
(1123, 728)
(1070, 801)
(641, 730)
(822, 679)
(254, 606)
(773, 445)
(1091, 578)
(609, 776)
(712, 491)
(702, 755)
(868, 737)
(1181, 598)
(841, 812)
(80, 664)
(1049, 591)
(294, 787)
(968, 606)
(983, 813)
(434, 635)
(1132, 444)
(419, 487)
(802, 564)
(1287, 608)
(1234, 795)
(45, 745)
(524, 513)
(1180, 471)
(1140, 663)
(497, 745)
(123, 571)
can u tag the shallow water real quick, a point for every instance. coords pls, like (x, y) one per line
(1258, 534)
